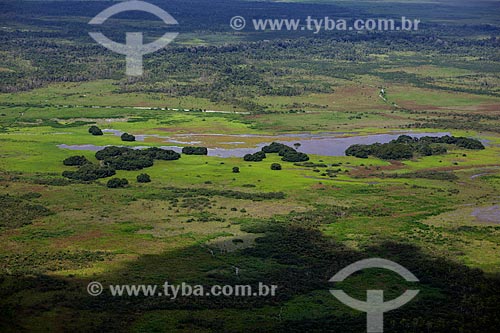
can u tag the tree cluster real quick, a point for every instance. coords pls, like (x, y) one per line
(406, 147)
(121, 158)
(257, 157)
(287, 153)
(90, 172)
(76, 161)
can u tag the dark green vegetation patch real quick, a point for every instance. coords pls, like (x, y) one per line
(195, 150)
(16, 212)
(406, 147)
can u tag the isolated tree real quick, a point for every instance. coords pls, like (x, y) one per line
(275, 166)
(236, 170)
(94, 130)
(128, 137)
(117, 183)
(143, 178)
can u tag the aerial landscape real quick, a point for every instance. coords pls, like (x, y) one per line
(247, 154)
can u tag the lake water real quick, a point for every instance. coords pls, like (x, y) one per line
(324, 144)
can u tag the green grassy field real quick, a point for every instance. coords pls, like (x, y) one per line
(98, 233)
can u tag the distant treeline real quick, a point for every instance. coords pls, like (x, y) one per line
(233, 72)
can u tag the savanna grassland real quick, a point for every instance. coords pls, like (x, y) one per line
(202, 222)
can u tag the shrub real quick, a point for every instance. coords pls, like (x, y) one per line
(117, 183)
(311, 165)
(143, 178)
(275, 166)
(76, 161)
(90, 172)
(195, 151)
(127, 137)
(294, 156)
(94, 130)
(257, 157)
(236, 170)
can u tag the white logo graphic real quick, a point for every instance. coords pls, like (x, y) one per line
(374, 305)
(133, 48)
(238, 23)
(94, 288)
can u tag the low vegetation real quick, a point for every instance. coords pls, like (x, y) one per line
(16, 212)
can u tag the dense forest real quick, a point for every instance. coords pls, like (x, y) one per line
(235, 72)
